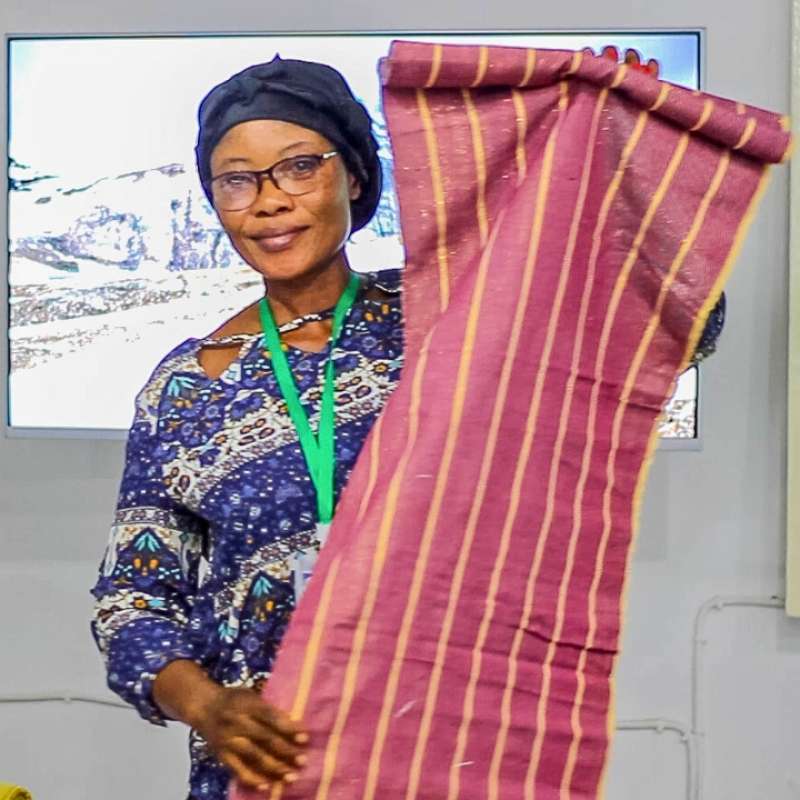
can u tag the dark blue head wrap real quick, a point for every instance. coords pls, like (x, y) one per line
(313, 95)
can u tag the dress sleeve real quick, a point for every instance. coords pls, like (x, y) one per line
(147, 582)
(707, 345)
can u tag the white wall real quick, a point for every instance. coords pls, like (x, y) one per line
(712, 523)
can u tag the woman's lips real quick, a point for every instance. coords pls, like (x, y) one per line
(274, 244)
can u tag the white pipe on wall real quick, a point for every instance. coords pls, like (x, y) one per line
(698, 641)
(661, 725)
(63, 697)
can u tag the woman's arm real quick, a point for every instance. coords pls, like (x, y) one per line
(144, 598)
(183, 691)
(145, 591)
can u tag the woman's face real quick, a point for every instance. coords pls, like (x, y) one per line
(284, 236)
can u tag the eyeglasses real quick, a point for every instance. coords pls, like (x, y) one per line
(235, 191)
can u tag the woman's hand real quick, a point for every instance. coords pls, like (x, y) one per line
(259, 743)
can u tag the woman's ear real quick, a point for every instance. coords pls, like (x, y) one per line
(354, 187)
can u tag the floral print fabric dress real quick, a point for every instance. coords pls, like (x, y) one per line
(215, 500)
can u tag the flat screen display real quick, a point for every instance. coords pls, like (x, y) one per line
(115, 256)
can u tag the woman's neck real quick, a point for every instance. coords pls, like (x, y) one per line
(309, 293)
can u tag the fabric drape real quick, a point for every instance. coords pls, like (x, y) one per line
(568, 223)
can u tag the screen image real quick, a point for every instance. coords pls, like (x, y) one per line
(115, 255)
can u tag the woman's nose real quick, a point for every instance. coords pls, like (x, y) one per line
(270, 199)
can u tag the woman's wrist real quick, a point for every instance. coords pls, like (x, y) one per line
(199, 703)
(183, 691)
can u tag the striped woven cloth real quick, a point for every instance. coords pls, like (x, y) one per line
(569, 223)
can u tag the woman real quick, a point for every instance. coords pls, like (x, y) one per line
(217, 520)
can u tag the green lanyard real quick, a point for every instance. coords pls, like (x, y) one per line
(318, 450)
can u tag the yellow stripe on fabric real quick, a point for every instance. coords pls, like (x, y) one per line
(530, 67)
(438, 199)
(740, 109)
(785, 123)
(747, 134)
(480, 165)
(544, 532)
(376, 571)
(621, 281)
(633, 254)
(787, 154)
(521, 116)
(608, 323)
(630, 382)
(436, 66)
(708, 110)
(374, 463)
(483, 65)
(577, 508)
(468, 708)
(311, 656)
(619, 76)
(702, 316)
(691, 347)
(498, 412)
(432, 520)
(575, 62)
(662, 97)
(561, 618)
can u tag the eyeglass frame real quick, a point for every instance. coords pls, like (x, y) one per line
(261, 174)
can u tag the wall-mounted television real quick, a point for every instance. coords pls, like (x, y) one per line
(114, 254)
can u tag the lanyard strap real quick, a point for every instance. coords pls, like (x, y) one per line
(318, 450)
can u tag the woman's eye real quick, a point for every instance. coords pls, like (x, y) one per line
(235, 181)
(303, 166)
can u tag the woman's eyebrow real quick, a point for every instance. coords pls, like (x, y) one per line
(234, 160)
(295, 144)
(242, 160)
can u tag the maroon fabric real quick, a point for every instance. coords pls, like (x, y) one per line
(565, 240)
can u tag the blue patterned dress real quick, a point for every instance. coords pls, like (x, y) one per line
(215, 500)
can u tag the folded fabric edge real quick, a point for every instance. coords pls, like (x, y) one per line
(751, 131)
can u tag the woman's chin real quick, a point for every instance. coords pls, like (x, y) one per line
(277, 266)
(288, 265)
(273, 271)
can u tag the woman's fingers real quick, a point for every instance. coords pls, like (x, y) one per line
(243, 773)
(260, 743)
(279, 721)
(290, 729)
(259, 763)
(270, 742)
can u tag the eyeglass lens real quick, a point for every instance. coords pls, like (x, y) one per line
(298, 175)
